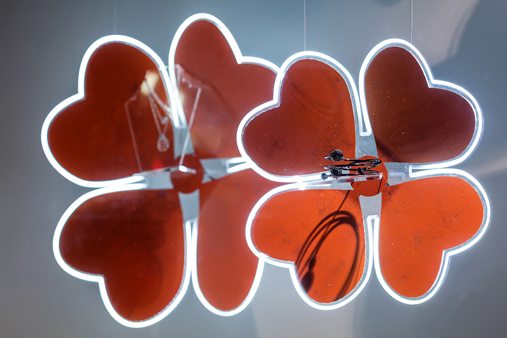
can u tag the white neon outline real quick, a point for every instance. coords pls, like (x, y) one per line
(178, 118)
(197, 288)
(432, 83)
(275, 103)
(240, 58)
(81, 95)
(185, 281)
(364, 129)
(369, 222)
(181, 123)
(448, 253)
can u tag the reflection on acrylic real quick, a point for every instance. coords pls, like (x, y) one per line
(112, 132)
(217, 86)
(321, 231)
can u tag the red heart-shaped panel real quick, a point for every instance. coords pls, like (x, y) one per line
(420, 219)
(226, 267)
(315, 115)
(412, 121)
(320, 231)
(115, 130)
(216, 91)
(135, 240)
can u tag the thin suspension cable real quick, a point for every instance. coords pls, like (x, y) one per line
(304, 24)
(115, 17)
(412, 21)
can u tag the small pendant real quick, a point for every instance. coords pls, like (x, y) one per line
(162, 143)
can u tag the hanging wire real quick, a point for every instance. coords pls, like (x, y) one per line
(190, 123)
(304, 24)
(115, 17)
(131, 130)
(412, 21)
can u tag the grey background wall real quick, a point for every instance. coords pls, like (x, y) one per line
(42, 46)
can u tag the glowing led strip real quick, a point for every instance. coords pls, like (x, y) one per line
(275, 103)
(98, 278)
(122, 184)
(182, 124)
(197, 287)
(432, 83)
(81, 95)
(447, 254)
(369, 223)
(178, 119)
(427, 170)
(240, 58)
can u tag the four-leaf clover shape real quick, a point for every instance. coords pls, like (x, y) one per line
(404, 218)
(159, 144)
(175, 190)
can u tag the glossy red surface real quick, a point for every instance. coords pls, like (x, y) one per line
(412, 122)
(321, 232)
(216, 94)
(205, 62)
(188, 174)
(93, 138)
(135, 240)
(315, 116)
(225, 265)
(372, 187)
(419, 220)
